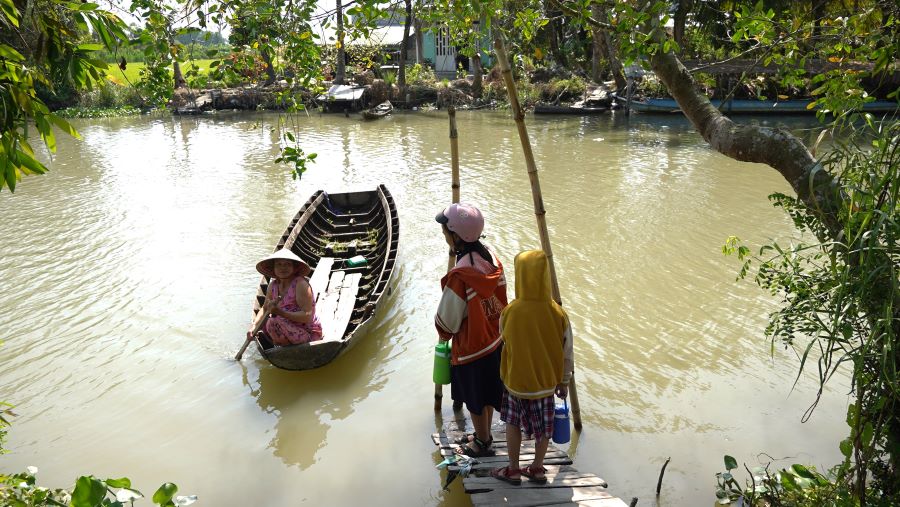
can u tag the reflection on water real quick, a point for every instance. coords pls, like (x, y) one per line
(308, 402)
(128, 280)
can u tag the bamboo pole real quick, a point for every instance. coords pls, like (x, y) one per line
(454, 153)
(539, 212)
(454, 167)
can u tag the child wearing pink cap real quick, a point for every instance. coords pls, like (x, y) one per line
(474, 295)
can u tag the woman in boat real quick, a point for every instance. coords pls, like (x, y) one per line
(474, 294)
(289, 300)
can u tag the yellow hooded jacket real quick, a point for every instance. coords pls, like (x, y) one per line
(537, 351)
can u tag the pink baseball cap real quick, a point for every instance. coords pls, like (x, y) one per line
(463, 219)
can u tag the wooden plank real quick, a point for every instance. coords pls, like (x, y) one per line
(526, 497)
(558, 480)
(604, 502)
(485, 464)
(527, 450)
(319, 279)
(328, 304)
(500, 445)
(336, 282)
(346, 302)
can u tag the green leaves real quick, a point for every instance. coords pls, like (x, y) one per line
(89, 492)
(839, 294)
(164, 495)
(294, 156)
(22, 490)
(10, 11)
(730, 463)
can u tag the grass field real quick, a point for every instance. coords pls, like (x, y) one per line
(132, 70)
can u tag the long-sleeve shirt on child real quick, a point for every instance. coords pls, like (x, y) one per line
(474, 294)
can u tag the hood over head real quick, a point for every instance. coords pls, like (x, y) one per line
(533, 276)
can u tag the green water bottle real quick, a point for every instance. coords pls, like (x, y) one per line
(441, 374)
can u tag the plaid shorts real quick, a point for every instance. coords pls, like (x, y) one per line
(533, 417)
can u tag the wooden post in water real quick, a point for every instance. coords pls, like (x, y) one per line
(539, 212)
(454, 155)
(454, 167)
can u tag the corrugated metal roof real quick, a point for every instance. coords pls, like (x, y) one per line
(384, 36)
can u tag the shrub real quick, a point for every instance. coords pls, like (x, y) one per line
(421, 75)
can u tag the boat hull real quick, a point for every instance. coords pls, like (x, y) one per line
(745, 106)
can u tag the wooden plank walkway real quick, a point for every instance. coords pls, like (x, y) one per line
(566, 486)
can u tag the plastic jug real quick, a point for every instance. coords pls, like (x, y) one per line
(441, 374)
(561, 424)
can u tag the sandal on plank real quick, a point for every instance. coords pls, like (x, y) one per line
(505, 474)
(465, 439)
(480, 449)
(535, 474)
(470, 437)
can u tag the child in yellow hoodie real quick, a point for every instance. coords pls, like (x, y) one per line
(536, 362)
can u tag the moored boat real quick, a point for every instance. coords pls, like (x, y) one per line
(379, 111)
(748, 106)
(350, 240)
(577, 108)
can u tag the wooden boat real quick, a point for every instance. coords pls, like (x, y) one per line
(333, 233)
(748, 106)
(576, 108)
(379, 111)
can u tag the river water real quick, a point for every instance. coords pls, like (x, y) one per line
(127, 280)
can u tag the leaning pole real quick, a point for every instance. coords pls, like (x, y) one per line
(539, 211)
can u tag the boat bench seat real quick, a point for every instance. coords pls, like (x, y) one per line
(319, 279)
(335, 305)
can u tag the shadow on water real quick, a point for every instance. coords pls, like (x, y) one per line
(308, 403)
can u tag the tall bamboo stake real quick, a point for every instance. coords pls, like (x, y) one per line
(539, 212)
(454, 166)
(454, 154)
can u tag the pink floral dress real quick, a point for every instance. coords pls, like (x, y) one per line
(287, 332)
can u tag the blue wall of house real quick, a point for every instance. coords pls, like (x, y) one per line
(428, 49)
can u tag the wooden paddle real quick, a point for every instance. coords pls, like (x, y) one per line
(257, 325)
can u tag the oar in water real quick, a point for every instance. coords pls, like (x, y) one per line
(260, 318)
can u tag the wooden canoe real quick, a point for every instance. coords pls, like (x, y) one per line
(379, 111)
(576, 109)
(330, 233)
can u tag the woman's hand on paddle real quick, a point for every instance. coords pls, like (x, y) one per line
(562, 390)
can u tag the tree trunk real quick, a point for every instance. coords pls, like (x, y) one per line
(179, 77)
(615, 66)
(681, 10)
(340, 73)
(404, 48)
(270, 68)
(477, 74)
(775, 147)
(598, 46)
(419, 58)
(555, 48)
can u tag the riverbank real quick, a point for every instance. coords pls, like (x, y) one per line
(459, 93)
